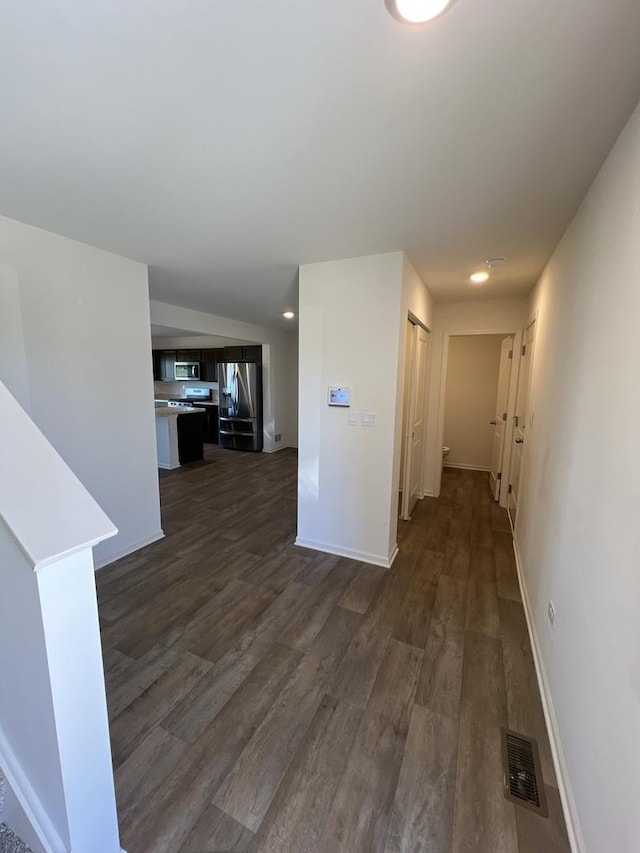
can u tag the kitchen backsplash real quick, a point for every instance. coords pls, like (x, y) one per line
(166, 390)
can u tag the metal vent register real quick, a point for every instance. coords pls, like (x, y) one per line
(522, 775)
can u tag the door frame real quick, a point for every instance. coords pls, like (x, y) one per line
(501, 416)
(511, 397)
(410, 408)
(528, 414)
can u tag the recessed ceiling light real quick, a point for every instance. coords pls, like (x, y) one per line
(417, 11)
(288, 314)
(479, 277)
(496, 262)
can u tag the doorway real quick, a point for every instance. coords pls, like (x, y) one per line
(413, 418)
(478, 391)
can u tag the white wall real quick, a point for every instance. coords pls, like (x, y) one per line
(352, 331)
(497, 316)
(87, 348)
(577, 525)
(277, 378)
(13, 358)
(292, 396)
(473, 364)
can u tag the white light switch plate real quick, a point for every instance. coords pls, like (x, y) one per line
(368, 419)
(352, 418)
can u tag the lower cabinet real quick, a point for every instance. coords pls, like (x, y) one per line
(190, 436)
(211, 435)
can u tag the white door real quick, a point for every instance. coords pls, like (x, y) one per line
(520, 423)
(500, 416)
(414, 440)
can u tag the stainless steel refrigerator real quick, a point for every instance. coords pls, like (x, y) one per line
(240, 405)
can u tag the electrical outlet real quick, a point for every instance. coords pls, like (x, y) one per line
(551, 611)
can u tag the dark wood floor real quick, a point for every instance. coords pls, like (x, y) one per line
(265, 697)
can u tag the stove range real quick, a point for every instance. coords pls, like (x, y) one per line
(193, 396)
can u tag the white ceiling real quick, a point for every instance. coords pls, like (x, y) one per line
(224, 142)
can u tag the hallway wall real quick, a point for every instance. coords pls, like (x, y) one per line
(577, 525)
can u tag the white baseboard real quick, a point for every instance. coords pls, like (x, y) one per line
(465, 467)
(363, 556)
(429, 493)
(25, 814)
(576, 841)
(129, 549)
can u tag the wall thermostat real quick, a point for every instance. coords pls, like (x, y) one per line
(339, 397)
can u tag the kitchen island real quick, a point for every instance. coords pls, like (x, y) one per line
(179, 435)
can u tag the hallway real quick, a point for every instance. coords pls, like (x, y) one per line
(265, 697)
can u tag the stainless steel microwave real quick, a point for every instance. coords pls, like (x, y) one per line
(187, 370)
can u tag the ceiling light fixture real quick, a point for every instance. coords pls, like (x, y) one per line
(417, 11)
(288, 314)
(479, 277)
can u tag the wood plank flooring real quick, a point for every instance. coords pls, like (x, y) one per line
(265, 698)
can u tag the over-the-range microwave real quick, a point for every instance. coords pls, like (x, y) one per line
(187, 370)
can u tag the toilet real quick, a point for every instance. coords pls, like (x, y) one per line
(445, 451)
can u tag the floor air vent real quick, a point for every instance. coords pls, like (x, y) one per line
(522, 775)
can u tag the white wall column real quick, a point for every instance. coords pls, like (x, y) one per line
(352, 333)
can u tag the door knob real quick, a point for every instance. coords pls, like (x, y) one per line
(519, 440)
(493, 423)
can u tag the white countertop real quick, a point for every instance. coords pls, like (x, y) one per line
(174, 411)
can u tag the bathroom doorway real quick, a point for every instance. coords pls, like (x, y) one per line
(476, 416)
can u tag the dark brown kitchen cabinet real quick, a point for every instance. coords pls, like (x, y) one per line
(247, 353)
(211, 358)
(210, 424)
(190, 437)
(253, 353)
(188, 355)
(233, 354)
(157, 365)
(167, 362)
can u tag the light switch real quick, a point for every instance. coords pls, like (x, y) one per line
(368, 419)
(352, 418)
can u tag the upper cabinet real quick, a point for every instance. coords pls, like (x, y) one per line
(164, 364)
(157, 364)
(192, 355)
(164, 360)
(210, 360)
(246, 353)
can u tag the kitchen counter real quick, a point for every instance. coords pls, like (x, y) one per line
(179, 441)
(174, 411)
